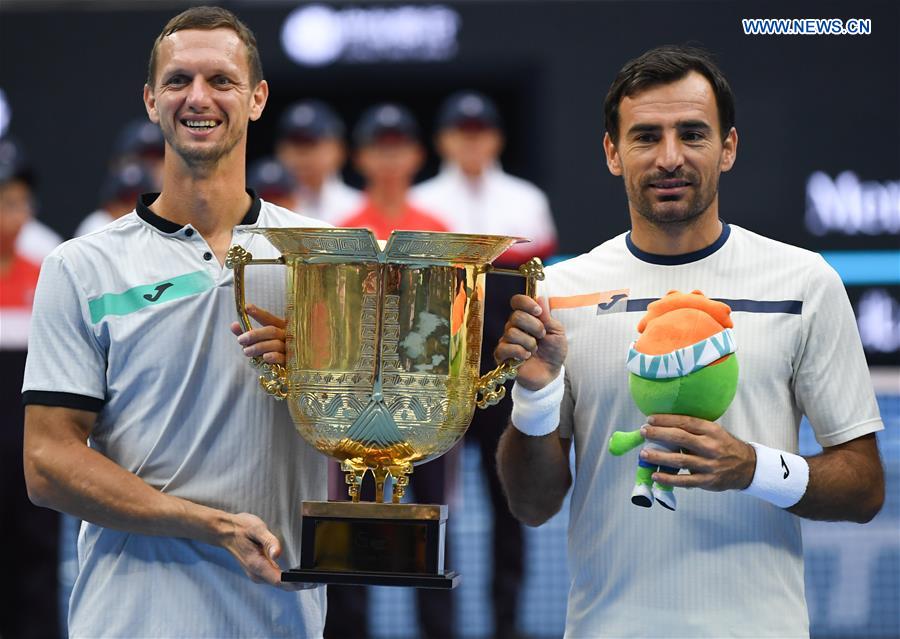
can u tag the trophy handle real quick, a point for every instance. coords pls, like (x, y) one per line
(490, 385)
(274, 376)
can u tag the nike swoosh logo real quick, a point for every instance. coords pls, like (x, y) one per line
(159, 291)
(787, 471)
(615, 298)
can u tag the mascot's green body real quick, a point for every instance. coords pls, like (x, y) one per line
(682, 364)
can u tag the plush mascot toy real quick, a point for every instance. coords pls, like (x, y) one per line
(683, 363)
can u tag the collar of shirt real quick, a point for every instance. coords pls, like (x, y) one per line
(169, 227)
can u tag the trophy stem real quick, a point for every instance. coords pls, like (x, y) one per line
(353, 479)
(380, 476)
(401, 481)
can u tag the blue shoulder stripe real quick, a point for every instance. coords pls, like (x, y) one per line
(790, 307)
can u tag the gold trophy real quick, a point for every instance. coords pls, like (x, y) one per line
(383, 355)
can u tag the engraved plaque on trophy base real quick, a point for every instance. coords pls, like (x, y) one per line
(373, 544)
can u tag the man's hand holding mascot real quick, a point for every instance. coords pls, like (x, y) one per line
(683, 363)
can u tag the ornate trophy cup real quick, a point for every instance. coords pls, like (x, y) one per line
(383, 355)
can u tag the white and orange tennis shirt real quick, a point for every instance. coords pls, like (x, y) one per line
(724, 564)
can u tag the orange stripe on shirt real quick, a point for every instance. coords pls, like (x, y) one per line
(588, 299)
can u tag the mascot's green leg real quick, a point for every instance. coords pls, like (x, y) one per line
(644, 476)
(621, 442)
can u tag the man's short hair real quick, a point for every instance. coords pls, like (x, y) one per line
(207, 19)
(664, 65)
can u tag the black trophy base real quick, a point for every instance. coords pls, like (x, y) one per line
(373, 544)
(446, 581)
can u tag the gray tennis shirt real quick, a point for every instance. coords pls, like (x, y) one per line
(132, 321)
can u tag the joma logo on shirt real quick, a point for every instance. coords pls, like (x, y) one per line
(159, 291)
(605, 306)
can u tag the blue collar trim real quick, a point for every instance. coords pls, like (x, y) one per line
(685, 258)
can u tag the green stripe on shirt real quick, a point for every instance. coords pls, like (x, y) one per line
(134, 299)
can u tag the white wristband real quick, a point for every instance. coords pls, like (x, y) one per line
(780, 477)
(536, 413)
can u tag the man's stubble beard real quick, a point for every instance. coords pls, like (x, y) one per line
(695, 205)
(206, 158)
(203, 157)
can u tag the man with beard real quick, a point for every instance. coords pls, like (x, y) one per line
(143, 418)
(729, 561)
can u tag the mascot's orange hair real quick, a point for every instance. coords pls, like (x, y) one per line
(680, 319)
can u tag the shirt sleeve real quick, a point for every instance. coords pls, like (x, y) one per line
(831, 379)
(66, 364)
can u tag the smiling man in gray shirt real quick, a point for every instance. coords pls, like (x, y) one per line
(143, 418)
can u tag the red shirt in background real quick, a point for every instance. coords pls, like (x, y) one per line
(18, 283)
(412, 219)
(16, 295)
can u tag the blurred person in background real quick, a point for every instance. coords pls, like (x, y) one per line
(120, 190)
(34, 239)
(388, 154)
(272, 182)
(141, 141)
(18, 270)
(28, 534)
(311, 146)
(472, 194)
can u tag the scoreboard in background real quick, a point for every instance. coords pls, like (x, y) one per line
(844, 213)
(877, 311)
